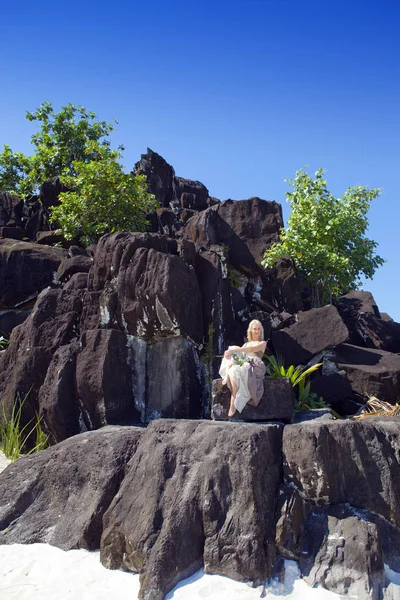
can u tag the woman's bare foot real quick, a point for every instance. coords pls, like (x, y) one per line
(232, 408)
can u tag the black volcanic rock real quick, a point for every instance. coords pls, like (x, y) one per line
(314, 331)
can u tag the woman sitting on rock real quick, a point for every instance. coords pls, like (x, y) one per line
(243, 370)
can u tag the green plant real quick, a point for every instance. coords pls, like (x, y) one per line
(4, 341)
(305, 400)
(74, 146)
(62, 139)
(325, 237)
(14, 438)
(102, 199)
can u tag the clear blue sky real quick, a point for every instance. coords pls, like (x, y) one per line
(238, 94)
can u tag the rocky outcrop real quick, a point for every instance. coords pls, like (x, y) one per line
(59, 496)
(234, 497)
(25, 270)
(341, 524)
(246, 227)
(11, 208)
(314, 330)
(371, 372)
(276, 404)
(53, 323)
(367, 328)
(223, 518)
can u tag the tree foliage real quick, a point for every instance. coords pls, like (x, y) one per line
(103, 198)
(326, 238)
(74, 146)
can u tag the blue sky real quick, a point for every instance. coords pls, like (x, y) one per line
(237, 94)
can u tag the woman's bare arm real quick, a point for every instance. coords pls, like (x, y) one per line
(250, 346)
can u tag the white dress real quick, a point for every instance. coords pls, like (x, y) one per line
(240, 375)
(248, 377)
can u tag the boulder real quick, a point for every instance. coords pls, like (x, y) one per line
(104, 379)
(50, 190)
(59, 408)
(363, 319)
(276, 404)
(25, 270)
(71, 265)
(59, 495)
(338, 547)
(11, 318)
(371, 372)
(52, 323)
(52, 238)
(313, 331)
(347, 560)
(175, 381)
(222, 516)
(160, 176)
(367, 449)
(190, 194)
(14, 233)
(10, 210)
(247, 227)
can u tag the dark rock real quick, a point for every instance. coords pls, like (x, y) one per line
(10, 210)
(343, 555)
(145, 286)
(38, 221)
(77, 282)
(216, 299)
(160, 176)
(171, 222)
(247, 227)
(104, 379)
(335, 389)
(191, 194)
(159, 296)
(26, 269)
(70, 266)
(223, 517)
(361, 315)
(386, 317)
(315, 414)
(14, 233)
(59, 495)
(174, 381)
(50, 190)
(337, 546)
(58, 397)
(276, 404)
(11, 318)
(282, 287)
(314, 331)
(367, 449)
(52, 323)
(51, 238)
(280, 320)
(371, 372)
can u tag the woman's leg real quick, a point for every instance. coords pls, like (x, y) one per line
(234, 388)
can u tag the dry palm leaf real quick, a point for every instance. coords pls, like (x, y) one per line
(377, 408)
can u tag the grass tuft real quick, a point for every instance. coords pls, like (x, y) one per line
(14, 438)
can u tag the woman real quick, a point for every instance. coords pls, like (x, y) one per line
(245, 381)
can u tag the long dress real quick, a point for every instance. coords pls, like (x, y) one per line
(248, 377)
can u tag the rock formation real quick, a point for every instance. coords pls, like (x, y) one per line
(117, 349)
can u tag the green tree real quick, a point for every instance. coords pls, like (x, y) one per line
(325, 237)
(61, 140)
(74, 146)
(102, 198)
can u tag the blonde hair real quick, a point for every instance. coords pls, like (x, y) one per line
(249, 336)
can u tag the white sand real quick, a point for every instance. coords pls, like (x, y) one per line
(43, 572)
